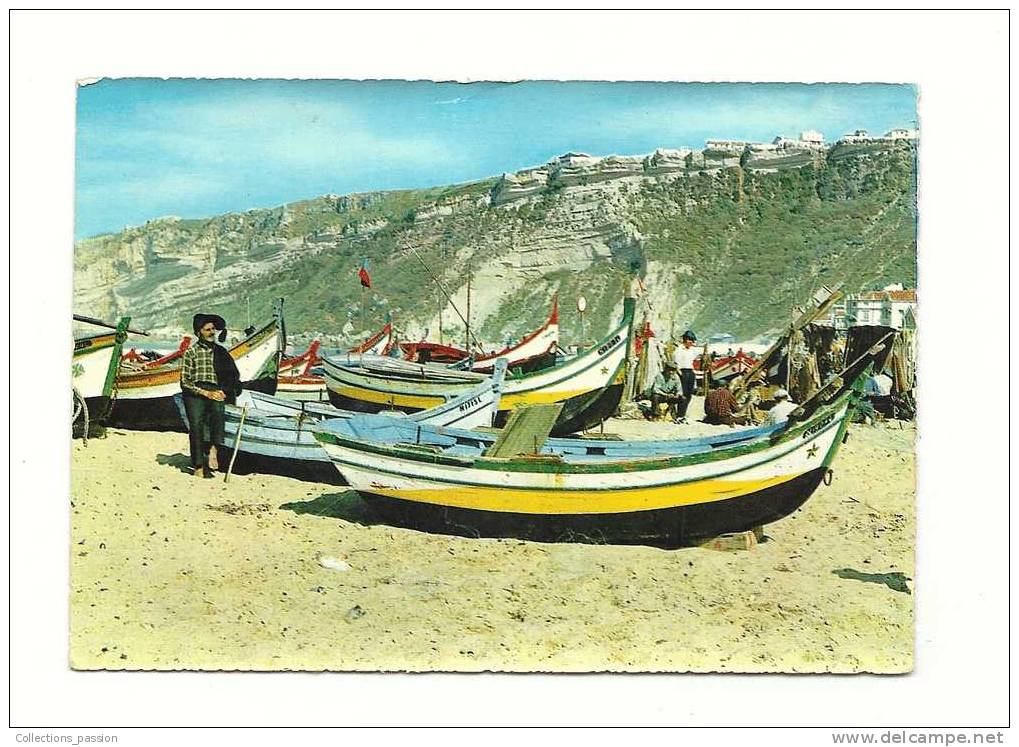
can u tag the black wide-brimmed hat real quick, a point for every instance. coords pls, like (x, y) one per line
(201, 320)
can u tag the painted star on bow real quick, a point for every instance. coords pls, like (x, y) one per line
(604, 370)
(812, 451)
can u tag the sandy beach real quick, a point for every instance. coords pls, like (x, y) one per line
(266, 572)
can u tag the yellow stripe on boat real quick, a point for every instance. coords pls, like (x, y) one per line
(553, 502)
(539, 397)
(394, 399)
(147, 378)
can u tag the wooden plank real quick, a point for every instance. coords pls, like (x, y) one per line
(526, 431)
(732, 542)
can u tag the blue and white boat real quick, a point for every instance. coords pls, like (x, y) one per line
(276, 435)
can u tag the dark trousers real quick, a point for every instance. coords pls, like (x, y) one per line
(672, 400)
(687, 379)
(205, 426)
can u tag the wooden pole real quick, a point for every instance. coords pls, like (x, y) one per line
(789, 365)
(706, 369)
(363, 327)
(101, 323)
(467, 336)
(441, 305)
(237, 443)
(438, 282)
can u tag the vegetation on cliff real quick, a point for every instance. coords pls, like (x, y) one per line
(737, 246)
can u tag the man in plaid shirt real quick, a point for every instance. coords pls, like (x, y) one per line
(203, 397)
(721, 407)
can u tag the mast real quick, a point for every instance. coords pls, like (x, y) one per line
(438, 282)
(467, 340)
(441, 305)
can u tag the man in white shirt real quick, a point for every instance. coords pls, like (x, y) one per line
(684, 356)
(782, 409)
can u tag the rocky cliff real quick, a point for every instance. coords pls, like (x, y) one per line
(721, 242)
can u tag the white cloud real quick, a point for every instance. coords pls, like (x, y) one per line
(276, 133)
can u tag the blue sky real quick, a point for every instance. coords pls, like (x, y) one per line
(148, 148)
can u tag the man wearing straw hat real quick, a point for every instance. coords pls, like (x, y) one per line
(209, 378)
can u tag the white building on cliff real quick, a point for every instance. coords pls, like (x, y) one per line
(892, 306)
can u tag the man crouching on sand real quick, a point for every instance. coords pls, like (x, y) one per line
(208, 379)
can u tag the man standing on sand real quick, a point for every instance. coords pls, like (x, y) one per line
(683, 357)
(208, 379)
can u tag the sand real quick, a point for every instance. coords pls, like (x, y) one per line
(265, 572)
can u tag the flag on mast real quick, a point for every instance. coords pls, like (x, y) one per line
(362, 274)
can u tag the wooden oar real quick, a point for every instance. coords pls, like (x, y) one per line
(237, 443)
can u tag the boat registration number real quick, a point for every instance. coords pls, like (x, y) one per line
(608, 345)
(469, 404)
(818, 425)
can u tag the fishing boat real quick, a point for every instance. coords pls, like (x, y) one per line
(726, 367)
(94, 365)
(309, 387)
(144, 396)
(275, 433)
(590, 386)
(663, 493)
(303, 363)
(300, 377)
(154, 360)
(378, 344)
(534, 352)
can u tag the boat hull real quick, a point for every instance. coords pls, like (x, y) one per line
(276, 434)
(302, 389)
(161, 413)
(667, 498)
(580, 411)
(308, 470)
(144, 399)
(669, 527)
(93, 370)
(590, 386)
(90, 368)
(583, 411)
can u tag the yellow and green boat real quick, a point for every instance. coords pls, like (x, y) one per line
(658, 492)
(145, 395)
(94, 370)
(589, 386)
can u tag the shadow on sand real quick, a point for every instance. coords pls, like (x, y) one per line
(894, 581)
(180, 461)
(348, 506)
